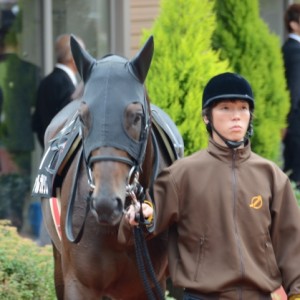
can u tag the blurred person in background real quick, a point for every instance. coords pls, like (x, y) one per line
(58, 88)
(291, 56)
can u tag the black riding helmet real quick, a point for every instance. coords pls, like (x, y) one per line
(228, 86)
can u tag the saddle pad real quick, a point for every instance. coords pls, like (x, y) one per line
(59, 153)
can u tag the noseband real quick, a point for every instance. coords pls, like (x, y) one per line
(105, 158)
(133, 187)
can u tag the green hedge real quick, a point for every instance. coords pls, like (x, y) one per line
(26, 270)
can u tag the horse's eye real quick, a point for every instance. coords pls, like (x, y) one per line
(133, 120)
(137, 118)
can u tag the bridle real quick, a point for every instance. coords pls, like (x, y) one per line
(94, 159)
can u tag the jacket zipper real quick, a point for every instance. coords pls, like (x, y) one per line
(199, 257)
(236, 233)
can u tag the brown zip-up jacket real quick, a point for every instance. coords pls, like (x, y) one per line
(237, 222)
(234, 223)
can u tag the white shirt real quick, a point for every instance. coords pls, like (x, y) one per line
(68, 71)
(295, 37)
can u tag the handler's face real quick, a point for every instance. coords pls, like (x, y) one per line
(231, 119)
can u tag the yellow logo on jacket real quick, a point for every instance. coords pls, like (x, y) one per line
(256, 202)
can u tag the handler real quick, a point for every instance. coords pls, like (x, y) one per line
(233, 218)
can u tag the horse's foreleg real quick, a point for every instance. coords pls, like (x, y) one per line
(58, 275)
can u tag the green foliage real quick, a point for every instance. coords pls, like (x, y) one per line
(26, 270)
(183, 62)
(244, 39)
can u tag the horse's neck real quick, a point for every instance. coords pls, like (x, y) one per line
(147, 167)
(156, 158)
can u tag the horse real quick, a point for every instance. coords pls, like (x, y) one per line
(103, 150)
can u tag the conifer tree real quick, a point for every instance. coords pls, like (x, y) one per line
(183, 62)
(254, 52)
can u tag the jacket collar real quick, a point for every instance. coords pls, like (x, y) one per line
(226, 154)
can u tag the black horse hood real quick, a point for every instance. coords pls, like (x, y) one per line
(111, 84)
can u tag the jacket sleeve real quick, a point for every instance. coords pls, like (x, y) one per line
(285, 233)
(166, 202)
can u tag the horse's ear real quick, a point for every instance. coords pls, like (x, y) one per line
(141, 62)
(83, 60)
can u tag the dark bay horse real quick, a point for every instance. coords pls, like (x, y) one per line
(103, 143)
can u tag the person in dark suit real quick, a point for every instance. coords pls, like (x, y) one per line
(57, 89)
(291, 56)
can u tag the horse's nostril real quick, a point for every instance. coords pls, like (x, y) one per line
(120, 205)
(107, 209)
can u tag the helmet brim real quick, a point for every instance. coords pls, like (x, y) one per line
(218, 98)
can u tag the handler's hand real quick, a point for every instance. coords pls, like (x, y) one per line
(134, 210)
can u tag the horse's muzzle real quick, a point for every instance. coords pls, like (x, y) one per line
(107, 210)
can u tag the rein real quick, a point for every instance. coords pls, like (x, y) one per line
(68, 226)
(136, 192)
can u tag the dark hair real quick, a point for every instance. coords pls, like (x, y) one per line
(292, 14)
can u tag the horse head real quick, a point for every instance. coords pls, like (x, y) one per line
(115, 121)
